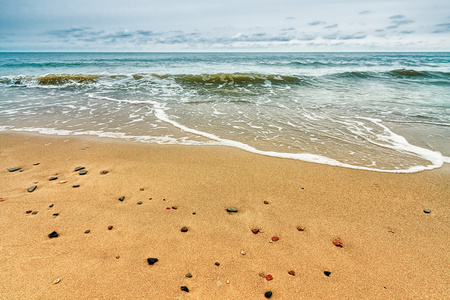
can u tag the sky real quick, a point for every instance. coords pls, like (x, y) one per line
(231, 26)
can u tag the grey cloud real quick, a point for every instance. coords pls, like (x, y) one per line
(354, 36)
(398, 21)
(397, 17)
(365, 12)
(332, 36)
(290, 18)
(407, 31)
(443, 27)
(315, 23)
(331, 26)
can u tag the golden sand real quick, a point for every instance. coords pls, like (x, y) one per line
(391, 248)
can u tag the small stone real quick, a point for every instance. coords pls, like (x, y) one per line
(175, 207)
(152, 260)
(110, 227)
(34, 212)
(56, 214)
(141, 189)
(275, 238)
(218, 283)
(266, 202)
(338, 243)
(121, 198)
(327, 273)
(56, 281)
(78, 168)
(62, 181)
(31, 188)
(2, 199)
(87, 231)
(269, 277)
(76, 185)
(83, 148)
(51, 205)
(104, 172)
(243, 252)
(184, 229)
(232, 209)
(268, 294)
(53, 178)
(262, 275)
(228, 282)
(300, 228)
(53, 234)
(291, 273)
(255, 231)
(168, 208)
(36, 164)
(427, 210)
(83, 172)
(139, 203)
(185, 289)
(188, 275)
(194, 213)
(217, 263)
(150, 198)
(14, 169)
(29, 211)
(117, 256)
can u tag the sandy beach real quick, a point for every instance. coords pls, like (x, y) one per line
(387, 247)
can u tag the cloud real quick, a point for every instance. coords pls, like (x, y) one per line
(443, 27)
(407, 31)
(397, 17)
(331, 26)
(397, 21)
(339, 36)
(290, 18)
(364, 12)
(315, 23)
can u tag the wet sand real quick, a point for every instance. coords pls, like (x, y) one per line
(391, 248)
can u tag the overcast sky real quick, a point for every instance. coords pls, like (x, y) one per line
(232, 25)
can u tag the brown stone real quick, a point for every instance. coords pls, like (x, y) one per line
(300, 228)
(291, 273)
(110, 227)
(255, 231)
(275, 238)
(338, 243)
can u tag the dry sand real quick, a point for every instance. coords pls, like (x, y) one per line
(391, 248)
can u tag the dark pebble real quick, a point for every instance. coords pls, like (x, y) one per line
(327, 273)
(122, 198)
(31, 188)
(104, 172)
(29, 211)
(87, 231)
(427, 211)
(34, 212)
(51, 205)
(194, 213)
(14, 169)
(53, 234)
(83, 172)
(189, 275)
(268, 294)
(36, 164)
(139, 203)
(151, 260)
(53, 178)
(56, 214)
(184, 229)
(110, 227)
(78, 168)
(217, 263)
(76, 185)
(266, 202)
(232, 209)
(185, 289)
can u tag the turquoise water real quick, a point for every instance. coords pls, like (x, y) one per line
(376, 111)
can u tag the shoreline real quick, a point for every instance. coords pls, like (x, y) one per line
(391, 248)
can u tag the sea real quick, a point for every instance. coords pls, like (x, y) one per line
(386, 112)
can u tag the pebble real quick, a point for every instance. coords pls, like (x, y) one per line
(83, 172)
(51, 205)
(53, 178)
(268, 294)
(117, 256)
(62, 181)
(327, 273)
(31, 188)
(243, 252)
(139, 203)
(56, 214)
(262, 275)
(110, 227)
(121, 198)
(266, 202)
(29, 211)
(218, 283)
(194, 213)
(232, 209)
(53, 234)
(2, 199)
(152, 260)
(36, 164)
(269, 277)
(14, 169)
(217, 263)
(185, 289)
(300, 228)
(104, 172)
(228, 282)
(255, 231)
(188, 275)
(184, 229)
(338, 243)
(76, 185)
(34, 212)
(175, 207)
(87, 231)
(427, 210)
(83, 148)
(57, 280)
(275, 238)
(291, 273)
(78, 168)
(141, 189)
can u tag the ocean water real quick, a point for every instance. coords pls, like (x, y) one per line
(385, 112)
